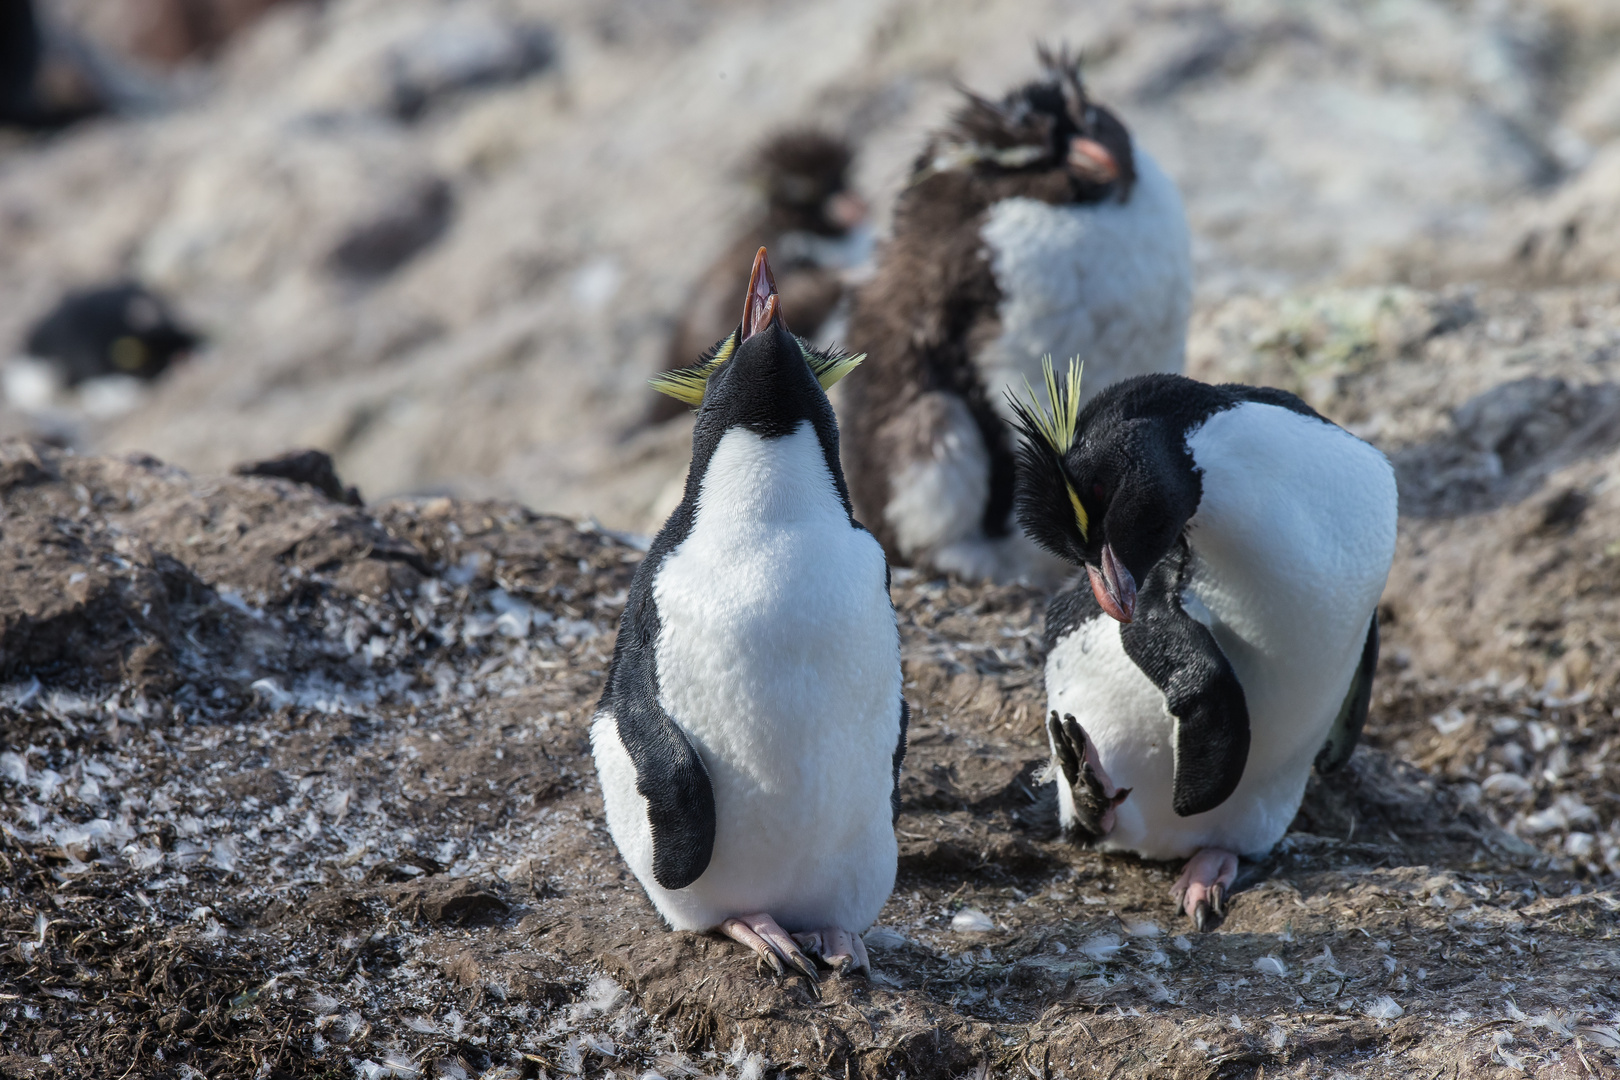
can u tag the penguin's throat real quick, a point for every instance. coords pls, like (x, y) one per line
(752, 479)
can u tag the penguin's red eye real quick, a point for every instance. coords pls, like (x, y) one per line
(1097, 491)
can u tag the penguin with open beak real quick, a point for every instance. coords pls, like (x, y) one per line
(1034, 225)
(1223, 638)
(750, 736)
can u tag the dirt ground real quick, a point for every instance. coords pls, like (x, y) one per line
(291, 788)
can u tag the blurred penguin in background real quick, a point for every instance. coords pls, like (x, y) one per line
(816, 229)
(1032, 226)
(121, 330)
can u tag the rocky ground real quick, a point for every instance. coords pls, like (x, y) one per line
(293, 787)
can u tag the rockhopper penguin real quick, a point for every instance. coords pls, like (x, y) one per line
(1032, 226)
(750, 736)
(1223, 639)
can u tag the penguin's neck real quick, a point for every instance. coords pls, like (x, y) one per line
(754, 480)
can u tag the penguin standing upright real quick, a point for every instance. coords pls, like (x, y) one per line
(750, 736)
(1224, 639)
(1031, 226)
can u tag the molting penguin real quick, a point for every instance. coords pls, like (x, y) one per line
(1224, 639)
(1032, 226)
(750, 736)
(815, 225)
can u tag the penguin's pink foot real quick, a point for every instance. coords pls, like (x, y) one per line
(1201, 889)
(775, 945)
(836, 947)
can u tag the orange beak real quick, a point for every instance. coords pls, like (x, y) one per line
(1091, 159)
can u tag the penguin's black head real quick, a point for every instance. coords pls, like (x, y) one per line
(1109, 487)
(1048, 126)
(806, 178)
(761, 376)
(120, 329)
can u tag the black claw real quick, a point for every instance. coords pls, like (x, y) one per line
(774, 960)
(804, 964)
(1201, 916)
(1217, 900)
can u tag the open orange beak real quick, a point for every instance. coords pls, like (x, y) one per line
(761, 307)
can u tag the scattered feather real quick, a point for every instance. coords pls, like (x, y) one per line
(1102, 948)
(1384, 1008)
(971, 921)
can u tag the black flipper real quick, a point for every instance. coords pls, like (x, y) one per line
(1180, 656)
(1341, 741)
(669, 773)
(899, 758)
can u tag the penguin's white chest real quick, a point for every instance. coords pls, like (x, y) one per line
(1110, 283)
(778, 654)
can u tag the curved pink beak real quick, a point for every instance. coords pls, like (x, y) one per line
(1113, 586)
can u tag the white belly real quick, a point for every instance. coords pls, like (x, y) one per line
(1089, 675)
(1110, 283)
(1291, 546)
(779, 655)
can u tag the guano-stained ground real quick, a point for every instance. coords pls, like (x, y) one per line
(290, 788)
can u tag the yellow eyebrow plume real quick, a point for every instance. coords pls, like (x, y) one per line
(1056, 422)
(688, 383)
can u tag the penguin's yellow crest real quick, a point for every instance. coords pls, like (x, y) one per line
(1056, 422)
(687, 384)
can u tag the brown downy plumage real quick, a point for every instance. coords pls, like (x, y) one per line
(804, 174)
(934, 305)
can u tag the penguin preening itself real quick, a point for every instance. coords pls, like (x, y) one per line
(750, 735)
(815, 225)
(1031, 226)
(1224, 639)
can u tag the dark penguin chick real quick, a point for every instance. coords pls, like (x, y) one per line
(1032, 226)
(750, 736)
(816, 229)
(119, 329)
(1224, 636)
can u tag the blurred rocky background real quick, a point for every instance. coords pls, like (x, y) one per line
(447, 240)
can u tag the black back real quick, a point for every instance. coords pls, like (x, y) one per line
(1130, 468)
(121, 328)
